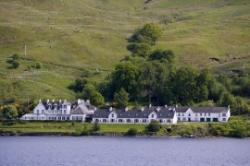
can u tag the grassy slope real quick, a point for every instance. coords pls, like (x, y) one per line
(72, 37)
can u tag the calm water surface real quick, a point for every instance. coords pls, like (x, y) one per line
(106, 151)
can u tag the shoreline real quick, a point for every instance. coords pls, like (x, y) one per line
(236, 128)
(112, 135)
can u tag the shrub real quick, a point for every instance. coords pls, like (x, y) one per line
(15, 64)
(149, 33)
(139, 49)
(162, 55)
(131, 132)
(38, 65)
(95, 127)
(153, 127)
(10, 112)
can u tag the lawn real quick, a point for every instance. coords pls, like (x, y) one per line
(64, 127)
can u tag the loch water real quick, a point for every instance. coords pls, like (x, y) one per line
(123, 151)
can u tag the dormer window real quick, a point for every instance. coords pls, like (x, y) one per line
(152, 116)
(112, 115)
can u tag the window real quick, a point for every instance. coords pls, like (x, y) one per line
(120, 120)
(144, 120)
(152, 116)
(112, 115)
(189, 114)
(96, 120)
(104, 120)
(136, 120)
(215, 119)
(169, 121)
(224, 119)
(128, 120)
(179, 114)
(179, 118)
(112, 120)
(224, 114)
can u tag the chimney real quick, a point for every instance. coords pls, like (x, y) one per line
(110, 108)
(142, 109)
(47, 100)
(158, 109)
(176, 106)
(150, 105)
(60, 100)
(78, 101)
(88, 101)
(40, 101)
(166, 106)
(126, 109)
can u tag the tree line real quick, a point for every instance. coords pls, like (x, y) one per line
(152, 76)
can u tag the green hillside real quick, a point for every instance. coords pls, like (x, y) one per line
(88, 37)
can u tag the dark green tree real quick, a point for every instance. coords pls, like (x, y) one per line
(78, 85)
(184, 85)
(90, 92)
(10, 112)
(125, 76)
(121, 98)
(227, 99)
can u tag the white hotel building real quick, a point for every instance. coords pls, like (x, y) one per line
(80, 110)
(61, 110)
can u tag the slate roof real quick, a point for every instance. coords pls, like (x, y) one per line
(77, 110)
(101, 113)
(163, 112)
(209, 109)
(56, 105)
(181, 109)
(202, 109)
